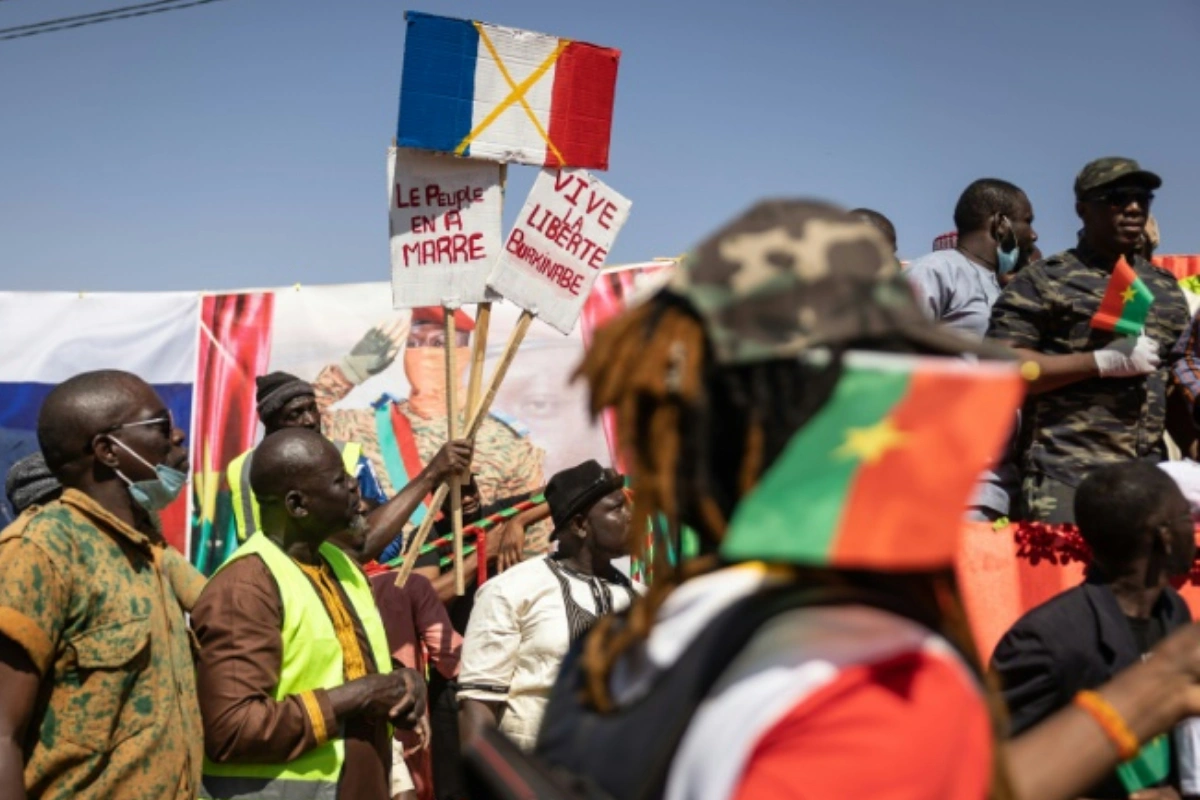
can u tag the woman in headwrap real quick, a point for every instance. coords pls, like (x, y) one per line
(775, 666)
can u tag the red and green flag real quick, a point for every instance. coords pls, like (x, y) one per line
(1126, 302)
(1150, 767)
(881, 476)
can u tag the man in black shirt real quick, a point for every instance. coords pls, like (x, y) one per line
(1139, 528)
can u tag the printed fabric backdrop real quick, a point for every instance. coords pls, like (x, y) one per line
(202, 353)
(538, 422)
(50, 336)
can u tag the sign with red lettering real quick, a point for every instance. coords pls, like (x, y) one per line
(444, 222)
(558, 245)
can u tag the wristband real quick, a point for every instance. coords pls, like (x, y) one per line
(1111, 721)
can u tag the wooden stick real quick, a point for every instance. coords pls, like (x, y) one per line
(483, 320)
(439, 497)
(451, 335)
(414, 548)
(510, 352)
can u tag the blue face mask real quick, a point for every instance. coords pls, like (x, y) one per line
(1006, 260)
(158, 493)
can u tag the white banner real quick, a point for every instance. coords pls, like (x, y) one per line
(558, 245)
(444, 225)
(50, 336)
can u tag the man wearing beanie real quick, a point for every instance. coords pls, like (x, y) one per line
(400, 436)
(285, 401)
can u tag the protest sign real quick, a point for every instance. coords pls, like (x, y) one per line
(444, 223)
(502, 94)
(558, 245)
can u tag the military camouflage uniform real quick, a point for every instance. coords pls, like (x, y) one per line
(506, 463)
(99, 608)
(1067, 432)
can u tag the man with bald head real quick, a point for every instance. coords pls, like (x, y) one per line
(285, 401)
(97, 684)
(295, 674)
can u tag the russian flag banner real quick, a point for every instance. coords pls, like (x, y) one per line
(503, 94)
(51, 336)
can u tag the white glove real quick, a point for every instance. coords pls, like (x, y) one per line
(1127, 358)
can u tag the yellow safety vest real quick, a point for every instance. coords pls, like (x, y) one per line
(312, 659)
(245, 506)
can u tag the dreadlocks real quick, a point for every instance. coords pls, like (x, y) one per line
(697, 438)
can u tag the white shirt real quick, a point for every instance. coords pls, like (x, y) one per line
(518, 635)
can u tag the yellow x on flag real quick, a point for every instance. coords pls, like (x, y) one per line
(516, 94)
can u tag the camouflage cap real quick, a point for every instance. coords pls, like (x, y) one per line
(1103, 171)
(789, 275)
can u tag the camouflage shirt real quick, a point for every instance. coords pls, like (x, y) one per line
(506, 463)
(1048, 307)
(99, 608)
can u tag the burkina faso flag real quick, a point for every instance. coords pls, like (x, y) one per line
(881, 475)
(1126, 302)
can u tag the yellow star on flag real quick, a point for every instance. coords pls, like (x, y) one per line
(870, 444)
(1128, 295)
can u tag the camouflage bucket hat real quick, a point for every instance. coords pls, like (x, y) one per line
(1104, 171)
(790, 275)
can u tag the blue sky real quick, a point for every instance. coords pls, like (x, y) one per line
(242, 143)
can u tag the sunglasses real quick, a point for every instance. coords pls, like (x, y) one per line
(1120, 198)
(164, 421)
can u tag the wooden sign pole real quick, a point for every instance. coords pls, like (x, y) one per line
(483, 320)
(418, 541)
(451, 334)
(510, 351)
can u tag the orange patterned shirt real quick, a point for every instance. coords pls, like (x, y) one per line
(99, 608)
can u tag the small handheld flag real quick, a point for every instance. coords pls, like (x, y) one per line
(1126, 302)
(881, 476)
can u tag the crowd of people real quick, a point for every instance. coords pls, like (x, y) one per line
(305, 668)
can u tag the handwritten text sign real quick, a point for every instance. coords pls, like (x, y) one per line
(558, 245)
(444, 222)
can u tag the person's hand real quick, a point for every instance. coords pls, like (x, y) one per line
(510, 544)
(423, 737)
(398, 696)
(1127, 357)
(452, 459)
(375, 351)
(1157, 793)
(409, 712)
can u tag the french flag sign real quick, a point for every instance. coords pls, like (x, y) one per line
(503, 94)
